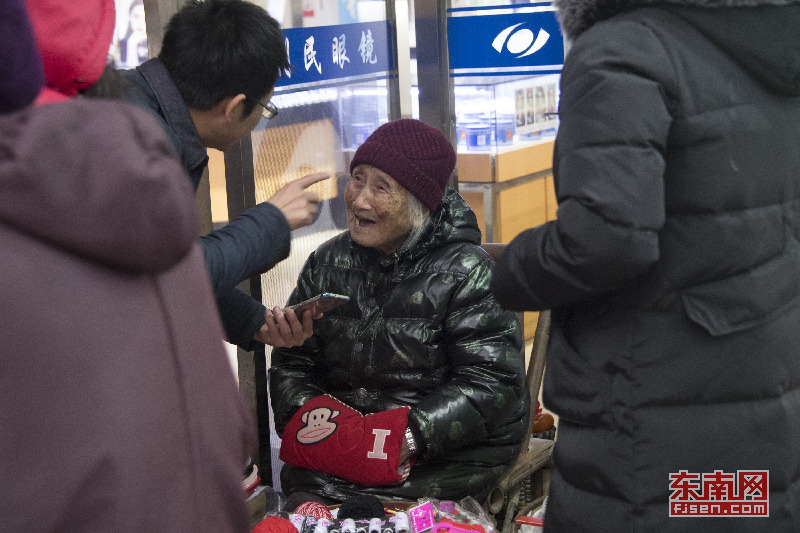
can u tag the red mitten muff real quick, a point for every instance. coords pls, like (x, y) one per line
(331, 437)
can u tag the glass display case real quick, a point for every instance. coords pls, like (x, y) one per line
(505, 135)
(503, 115)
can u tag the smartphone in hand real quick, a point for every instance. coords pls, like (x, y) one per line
(320, 303)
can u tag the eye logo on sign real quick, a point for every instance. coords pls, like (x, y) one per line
(520, 41)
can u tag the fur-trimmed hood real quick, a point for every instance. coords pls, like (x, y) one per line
(762, 35)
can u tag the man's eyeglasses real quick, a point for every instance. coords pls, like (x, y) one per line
(270, 110)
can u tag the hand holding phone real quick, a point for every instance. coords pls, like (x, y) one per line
(285, 329)
(320, 303)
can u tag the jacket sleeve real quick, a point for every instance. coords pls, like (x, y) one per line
(241, 315)
(293, 377)
(486, 388)
(608, 169)
(257, 238)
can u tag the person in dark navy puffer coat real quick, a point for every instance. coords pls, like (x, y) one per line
(673, 269)
(421, 328)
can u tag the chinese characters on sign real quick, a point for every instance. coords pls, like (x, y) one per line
(288, 72)
(745, 493)
(310, 55)
(366, 47)
(374, 52)
(340, 51)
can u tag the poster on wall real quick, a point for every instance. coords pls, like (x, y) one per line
(535, 104)
(129, 44)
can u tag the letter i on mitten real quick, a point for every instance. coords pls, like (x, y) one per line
(330, 436)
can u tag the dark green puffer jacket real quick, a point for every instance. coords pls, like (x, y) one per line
(422, 330)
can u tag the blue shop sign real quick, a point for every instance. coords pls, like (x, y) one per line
(516, 43)
(325, 53)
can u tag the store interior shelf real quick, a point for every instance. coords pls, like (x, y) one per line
(507, 162)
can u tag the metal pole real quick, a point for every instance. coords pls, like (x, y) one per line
(436, 96)
(241, 191)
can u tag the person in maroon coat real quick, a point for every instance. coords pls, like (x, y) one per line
(118, 408)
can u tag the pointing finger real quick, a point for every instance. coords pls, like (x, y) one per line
(311, 179)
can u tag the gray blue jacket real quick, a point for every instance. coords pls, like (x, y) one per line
(258, 237)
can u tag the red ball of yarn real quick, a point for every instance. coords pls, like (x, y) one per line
(274, 524)
(315, 509)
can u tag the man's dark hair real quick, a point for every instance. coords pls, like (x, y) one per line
(214, 49)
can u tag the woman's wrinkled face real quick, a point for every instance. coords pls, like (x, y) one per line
(377, 209)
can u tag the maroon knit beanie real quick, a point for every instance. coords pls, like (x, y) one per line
(417, 156)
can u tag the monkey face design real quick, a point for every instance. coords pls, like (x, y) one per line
(318, 425)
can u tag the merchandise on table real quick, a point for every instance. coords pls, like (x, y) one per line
(427, 516)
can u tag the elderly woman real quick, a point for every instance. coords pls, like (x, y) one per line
(421, 331)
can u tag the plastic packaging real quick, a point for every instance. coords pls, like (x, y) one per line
(348, 525)
(376, 525)
(400, 521)
(298, 520)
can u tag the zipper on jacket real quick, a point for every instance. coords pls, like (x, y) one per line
(396, 263)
